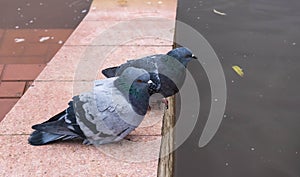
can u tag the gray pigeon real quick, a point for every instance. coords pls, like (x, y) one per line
(114, 108)
(171, 68)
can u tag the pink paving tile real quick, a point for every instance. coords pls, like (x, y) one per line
(63, 65)
(154, 31)
(87, 31)
(6, 105)
(85, 62)
(17, 158)
(114, 10)
(11, 89)
(22, 71)
(136, 149)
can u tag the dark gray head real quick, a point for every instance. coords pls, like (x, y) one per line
(182, 54)
(137, 87)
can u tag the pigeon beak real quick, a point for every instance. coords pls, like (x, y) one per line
(155, 81)
(152, 87)
(194, 57)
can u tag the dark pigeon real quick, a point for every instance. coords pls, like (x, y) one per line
(171, 68)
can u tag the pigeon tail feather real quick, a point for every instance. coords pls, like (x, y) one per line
(62, 126)
(110, 72)
(38, 138)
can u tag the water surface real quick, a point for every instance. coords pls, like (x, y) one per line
(259, 134)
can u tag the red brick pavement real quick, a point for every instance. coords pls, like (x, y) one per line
(22, 57)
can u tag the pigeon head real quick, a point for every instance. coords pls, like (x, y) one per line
(144, 80)
(182, 54)
(139, 77)
(137, 86)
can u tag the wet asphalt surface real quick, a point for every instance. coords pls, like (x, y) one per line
(259, 134)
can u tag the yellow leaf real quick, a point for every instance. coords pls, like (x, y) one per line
(238, 70)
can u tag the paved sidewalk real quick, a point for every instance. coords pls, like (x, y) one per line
(109, 35)
(30, 35)
(21, 62)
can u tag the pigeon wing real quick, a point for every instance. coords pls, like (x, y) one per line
(104, 115)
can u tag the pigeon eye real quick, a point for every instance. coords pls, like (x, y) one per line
(139, 81)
